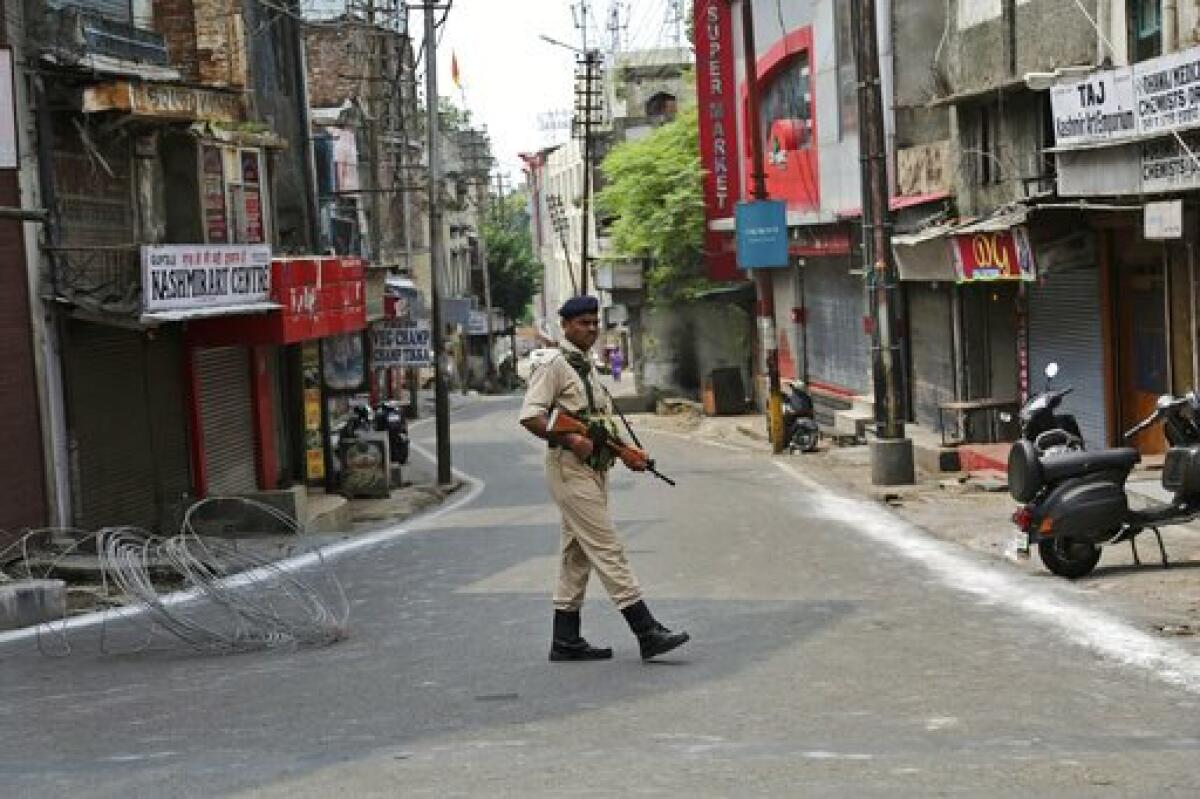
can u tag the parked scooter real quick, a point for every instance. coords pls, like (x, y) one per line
(389, 418)
(800, 430)
(1041, 423)
(1074, 502)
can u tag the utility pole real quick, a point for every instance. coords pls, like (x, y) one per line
(891, 452)
(762, 278)
(437, 254)
(479, 160)
(586, 106)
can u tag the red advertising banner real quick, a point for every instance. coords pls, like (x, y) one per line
(994, 255)
(716, 90)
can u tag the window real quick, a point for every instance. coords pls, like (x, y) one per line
(1145, 29)
(788, 96)
(989, 165)
(233, 195)
(661, 106)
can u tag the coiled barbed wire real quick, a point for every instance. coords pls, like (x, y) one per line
(212, 595)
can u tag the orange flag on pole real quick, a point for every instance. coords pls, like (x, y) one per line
(454, 76)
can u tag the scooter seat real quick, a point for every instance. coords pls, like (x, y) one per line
(1028, 471)
(1077, 464)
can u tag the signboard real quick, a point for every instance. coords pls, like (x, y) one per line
(1168, 92)
(397, 343)
(1164, 220)
(164, 101)
(1099, 109)
(1167, 167)
(477, 323)
(366, 471)
(314, 449)
(762, 240)
(8, 112)
(180, 277)
(716, 92)
(993, 255)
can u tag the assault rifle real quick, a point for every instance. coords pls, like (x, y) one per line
(561, 421)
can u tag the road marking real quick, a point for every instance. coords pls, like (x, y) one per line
(1048, 606)
(474, 487)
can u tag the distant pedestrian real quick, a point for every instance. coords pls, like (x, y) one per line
(577, 475)
(615, 362)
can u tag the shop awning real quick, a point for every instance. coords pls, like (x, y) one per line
(161, 317)
(927, 255)
(245, 136)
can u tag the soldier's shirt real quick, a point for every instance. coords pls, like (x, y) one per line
(557, 383)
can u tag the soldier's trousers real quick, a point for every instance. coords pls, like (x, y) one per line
(588, 538)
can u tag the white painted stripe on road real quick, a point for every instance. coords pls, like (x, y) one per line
(295, 563)
(1048, 606)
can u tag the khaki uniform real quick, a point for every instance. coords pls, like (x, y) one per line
(581, 493)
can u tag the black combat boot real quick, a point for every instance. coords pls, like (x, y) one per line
(568, 644)
(653, 638)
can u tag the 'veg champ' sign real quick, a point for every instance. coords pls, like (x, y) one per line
(182, 277)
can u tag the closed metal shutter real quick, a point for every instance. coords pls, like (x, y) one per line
(227, 420)
(839, 352)
(932, 343)
(1065, 327)
(128, 435)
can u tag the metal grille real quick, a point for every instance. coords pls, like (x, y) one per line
(1065, 327)
(839, 351)
(226, 416)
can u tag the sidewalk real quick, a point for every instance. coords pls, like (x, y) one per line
(974, 511)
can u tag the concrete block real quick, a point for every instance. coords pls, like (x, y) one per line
(231, 517)
(892, 462)
(28, 602)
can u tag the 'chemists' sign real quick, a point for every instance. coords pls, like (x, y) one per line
(184, 277)
(402, 344)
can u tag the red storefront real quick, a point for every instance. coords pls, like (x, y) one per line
(297, 357)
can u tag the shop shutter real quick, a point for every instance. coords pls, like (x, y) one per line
(1064, 327)
(127, 427)
(839, 352)
(226, 416)
(932, 342)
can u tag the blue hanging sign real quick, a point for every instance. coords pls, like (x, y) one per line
(762, 240)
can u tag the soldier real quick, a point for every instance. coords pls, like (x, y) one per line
(577, 474)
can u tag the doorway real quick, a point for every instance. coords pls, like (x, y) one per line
(1143, 373)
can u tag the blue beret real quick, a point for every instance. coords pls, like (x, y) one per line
(578, 306)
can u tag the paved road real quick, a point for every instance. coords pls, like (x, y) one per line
(835, 653)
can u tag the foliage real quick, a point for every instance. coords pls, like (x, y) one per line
(654, 194)
(515, 273)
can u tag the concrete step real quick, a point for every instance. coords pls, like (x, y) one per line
(25, 603)
(328, 513)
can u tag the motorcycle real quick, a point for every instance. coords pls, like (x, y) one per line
(1074, 502)
(389, 418)
(800, 429)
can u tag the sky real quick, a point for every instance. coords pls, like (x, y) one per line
(510, 76)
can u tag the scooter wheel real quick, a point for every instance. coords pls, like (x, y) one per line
(805, 441)
(1070, 559)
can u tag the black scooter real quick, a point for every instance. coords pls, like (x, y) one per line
(1074, 502)
(390, 419)
(1041, 423)
(800, 429)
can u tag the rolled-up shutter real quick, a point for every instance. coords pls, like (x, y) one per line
(227, 419)
(1065, 327)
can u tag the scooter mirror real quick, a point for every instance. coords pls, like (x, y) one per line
(1052, 370)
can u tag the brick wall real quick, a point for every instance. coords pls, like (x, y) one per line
(206, 39)
(330, 64)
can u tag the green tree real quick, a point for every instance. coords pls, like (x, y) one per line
(515, 273)
(654, 194)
